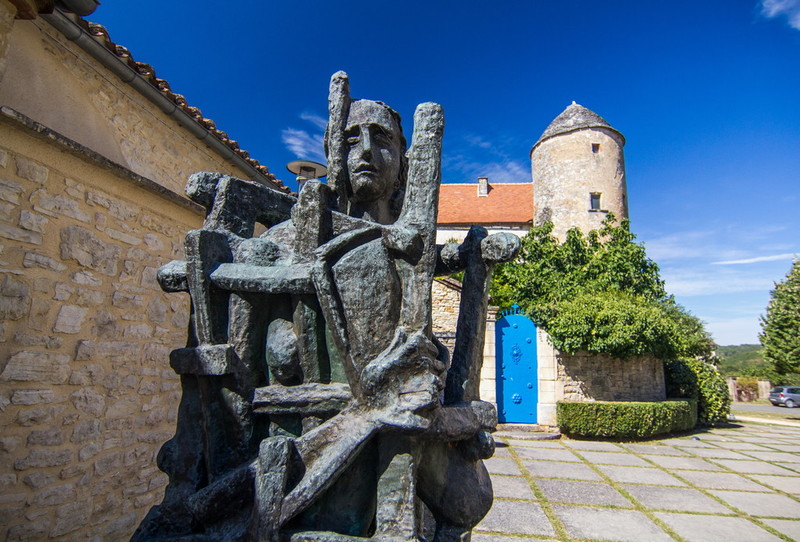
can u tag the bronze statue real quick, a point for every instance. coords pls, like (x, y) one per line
(317, 404)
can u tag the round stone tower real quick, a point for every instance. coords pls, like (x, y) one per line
(578, 172)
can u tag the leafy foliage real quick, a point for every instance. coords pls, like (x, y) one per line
(625, 419)
(695, 379)
(599, 293)
(780, 327)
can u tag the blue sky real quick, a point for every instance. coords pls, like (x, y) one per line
(706, 93)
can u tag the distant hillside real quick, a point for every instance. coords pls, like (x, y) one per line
(735, 359)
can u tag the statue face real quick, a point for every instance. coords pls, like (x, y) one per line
(375, 149)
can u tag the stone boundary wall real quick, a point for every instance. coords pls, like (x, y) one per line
(87, 396)
(593, 377)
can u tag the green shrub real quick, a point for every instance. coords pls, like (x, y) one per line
(625, 419)
(695, 379)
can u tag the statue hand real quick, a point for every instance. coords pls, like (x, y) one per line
(404, 381)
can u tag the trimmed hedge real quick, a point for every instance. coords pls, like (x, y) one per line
(625, 419)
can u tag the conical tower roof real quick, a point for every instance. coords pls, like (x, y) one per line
(575, 117)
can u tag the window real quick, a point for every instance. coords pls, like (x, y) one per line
(594, 201)
(595, 148)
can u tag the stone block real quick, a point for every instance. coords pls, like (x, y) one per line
(70, 319)
(89, 451)
(33, 222)
(57, 205)
(69, 518)
(30, 339)
(8, 444)
(89, 401)
(44, 367)
(18, 234)
(87, 375)
(127, 301)
(63, 292)
(86, 278)
(37, 416)
(31, 530)
(47, 437)
(90, 298)
(116, 208)
(14, 299)
(138, 331)
(32, 259)
(39, 458)
(86, 431)
(56, 495)
(38, 317)
(30, 170)
(109, 463)
(38, 480)
(10, 191)
(87, 249)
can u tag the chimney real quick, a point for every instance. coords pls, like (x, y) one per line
(483, 186)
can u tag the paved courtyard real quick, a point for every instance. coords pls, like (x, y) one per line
(738, 483)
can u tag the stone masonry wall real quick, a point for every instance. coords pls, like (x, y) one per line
(595, 377)
(87, 396)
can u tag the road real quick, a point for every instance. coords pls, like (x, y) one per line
(751, 407)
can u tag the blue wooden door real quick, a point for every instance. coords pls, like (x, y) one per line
(517, 374)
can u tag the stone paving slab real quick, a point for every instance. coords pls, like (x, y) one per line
(604, 524)
(502, 465)
(756, 467)
(655, 449)
(575, 492)
(517, 443)
(681, 499)
(592, 445)
(516, 517)
(546, 454)
(698, 528)
(481, 537)
(782, 483)
(687, 443)
(512, 487)
(556, 469)
(682, 463)
(770, 505)
(717, 453)
(776, 456)
(791, 448)
(744, 446)
(791, 466)
(720, 480)
(789, 527)
(640, 475)
(614, 458)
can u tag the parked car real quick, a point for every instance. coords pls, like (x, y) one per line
(788, 396)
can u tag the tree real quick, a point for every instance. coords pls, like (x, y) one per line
(780, 327)
(600, 293)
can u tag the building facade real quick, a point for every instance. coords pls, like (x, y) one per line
(94, 153)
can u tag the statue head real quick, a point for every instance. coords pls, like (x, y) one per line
(376, 147)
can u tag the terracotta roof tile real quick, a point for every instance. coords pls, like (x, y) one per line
(507, 203)
(100, 34)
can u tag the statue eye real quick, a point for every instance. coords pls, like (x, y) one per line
(352, 140)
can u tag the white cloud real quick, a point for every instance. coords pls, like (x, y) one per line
(307, 145)
(303, 144)
(773, 258)
(783, 8)
(682, 282)
(316, 120)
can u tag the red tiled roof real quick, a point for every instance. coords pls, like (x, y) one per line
(507, 203)
(100, 34)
